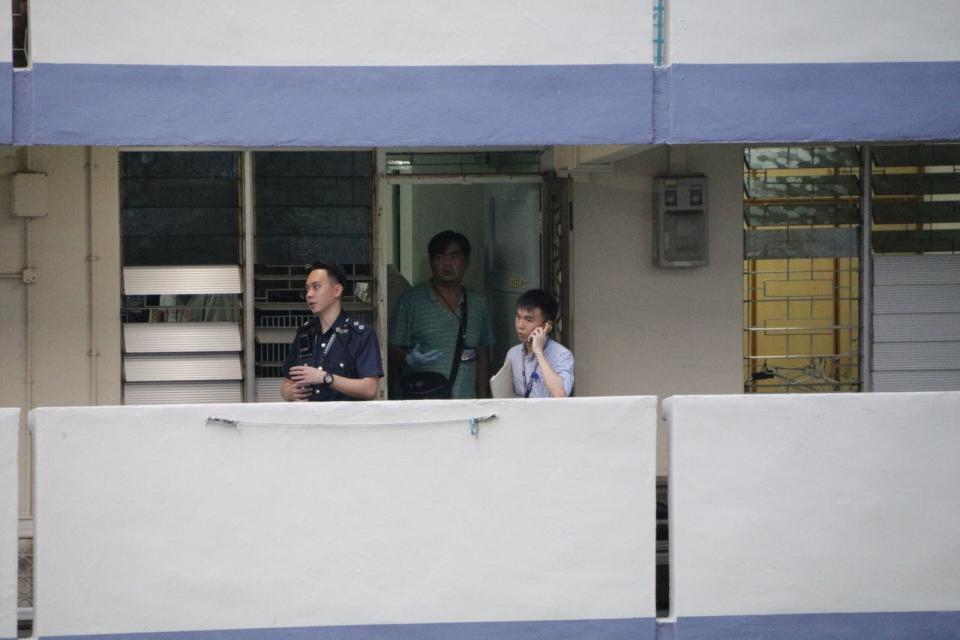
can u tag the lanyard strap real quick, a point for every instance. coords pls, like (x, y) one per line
(528, 385)
(328, 346)
(461, 341)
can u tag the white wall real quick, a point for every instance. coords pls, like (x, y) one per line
(641, 328)
(436, 32)
(6, 37)
(779, 31)
(814, 503)
(9, 440)
(343, 513)
(370, 32)
(53, 314)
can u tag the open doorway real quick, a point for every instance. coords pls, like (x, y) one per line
(517, 218)
(501, 218)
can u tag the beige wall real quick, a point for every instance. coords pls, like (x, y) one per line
(50, 356)
(641, 329)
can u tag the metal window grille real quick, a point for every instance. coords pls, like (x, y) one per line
(25, 563)
(801, 269)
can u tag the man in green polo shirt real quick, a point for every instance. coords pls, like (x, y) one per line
(429, 319)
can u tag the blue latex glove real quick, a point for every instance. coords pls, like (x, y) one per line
(416, 358)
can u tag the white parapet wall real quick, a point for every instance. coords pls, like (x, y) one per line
(9, 443)
(348, 520)
(806, 516)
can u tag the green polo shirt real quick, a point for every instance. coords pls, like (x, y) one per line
(422, 318)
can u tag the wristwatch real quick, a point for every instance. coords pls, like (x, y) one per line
(327, 378)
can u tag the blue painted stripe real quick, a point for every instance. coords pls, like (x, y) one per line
(482, 106)
(6, 103)
(22, 117)
(340, 106)
(810, 102)
(661, 103)
(614, 629)
(928, 625)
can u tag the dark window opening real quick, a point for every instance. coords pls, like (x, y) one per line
(21, 51)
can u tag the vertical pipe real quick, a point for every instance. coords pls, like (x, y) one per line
(866, 275)
(27, 315)
(92, 352)
(383, 234)
(658, 30)
(27, 498)
(836, 322)
(249, 231)
(27, 333)
(753, 339)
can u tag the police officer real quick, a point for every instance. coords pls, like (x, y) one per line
(333, 357)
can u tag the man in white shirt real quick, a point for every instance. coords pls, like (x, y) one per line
(542, 368)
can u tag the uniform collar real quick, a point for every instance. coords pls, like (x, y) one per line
(341, 320)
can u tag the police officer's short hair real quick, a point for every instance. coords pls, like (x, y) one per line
(539, 299)
(440, 242)
(334, 271)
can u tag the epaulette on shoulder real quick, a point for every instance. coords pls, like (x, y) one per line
(356, 326)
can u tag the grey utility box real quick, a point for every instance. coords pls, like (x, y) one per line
(29, 195)
(680, 221)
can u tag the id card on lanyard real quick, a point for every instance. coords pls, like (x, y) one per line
(534, 376)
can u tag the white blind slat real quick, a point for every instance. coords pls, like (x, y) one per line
(181, 368)
(171, 337)
(181, 280)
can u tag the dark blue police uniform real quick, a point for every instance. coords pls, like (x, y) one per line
(353, 353)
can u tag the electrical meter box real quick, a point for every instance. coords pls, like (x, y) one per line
(680, 221)
(29, 195)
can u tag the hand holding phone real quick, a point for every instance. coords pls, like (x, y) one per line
(538, 337)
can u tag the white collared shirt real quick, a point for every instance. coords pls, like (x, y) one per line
(526, 369)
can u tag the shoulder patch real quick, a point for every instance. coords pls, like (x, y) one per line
(357, 326)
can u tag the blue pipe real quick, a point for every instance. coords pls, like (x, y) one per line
(658, 32)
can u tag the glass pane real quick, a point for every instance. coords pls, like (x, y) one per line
(310, 206)
(180, 208)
